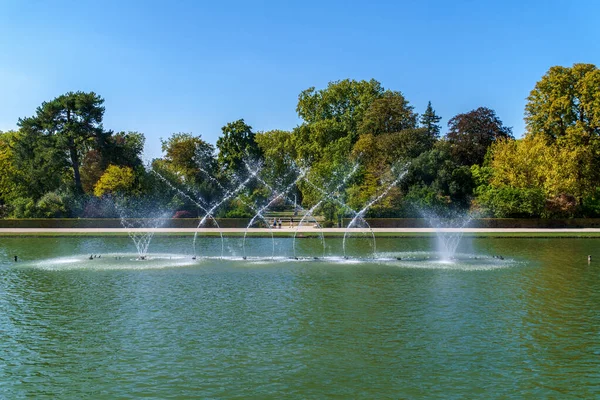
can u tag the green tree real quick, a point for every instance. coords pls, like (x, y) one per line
(279, 154)
(331, 118)
(125, 148)
(236, 145)
(187, 155)
(533, 163)
(387, 114)
(435, 178)
(42, 165)
(11, 177)
(430, 121)
(565, 101)
(73, 121)
(471, 134)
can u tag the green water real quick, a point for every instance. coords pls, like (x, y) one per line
(525, 327)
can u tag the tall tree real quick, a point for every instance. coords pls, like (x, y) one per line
(565, 102)
(279, 154)
(390, 113)
(186, 155)
(11, 177)
(41, 163)
(236, 145)
(74, 120)
(332, 116)
(564, 108)
(430, 121)
(471, 134)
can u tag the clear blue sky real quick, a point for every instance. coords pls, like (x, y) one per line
(192, 66)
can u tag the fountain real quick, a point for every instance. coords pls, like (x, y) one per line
(139, 223)
(362, 249)
(276, 195)
(448, 231)
(202, 205)
(359, 215)
(326, 196)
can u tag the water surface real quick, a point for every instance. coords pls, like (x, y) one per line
(175, 327)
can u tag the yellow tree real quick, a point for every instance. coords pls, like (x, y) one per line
(10, 175)
(115, 179)
(564, 108)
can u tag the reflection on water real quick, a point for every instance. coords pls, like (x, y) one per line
(527, 326)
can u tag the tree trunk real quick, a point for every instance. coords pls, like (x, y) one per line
(74, 159)
(75, 162)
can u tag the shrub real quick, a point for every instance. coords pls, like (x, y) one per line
(24, 207)
(238, 213)
(51, 205)
(184, 214)
(510, 202)
(591, 204)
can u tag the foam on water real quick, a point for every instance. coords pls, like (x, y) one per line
(130, 261)
(111, 262)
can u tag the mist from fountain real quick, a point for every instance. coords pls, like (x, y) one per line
(249, 205)
(326, 197)
(288, 200)
(141, 230)
(449, 232)
(274, 198)
(363, 211)
(335, 198)
(198, 202)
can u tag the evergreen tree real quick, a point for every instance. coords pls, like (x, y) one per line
(430, 120)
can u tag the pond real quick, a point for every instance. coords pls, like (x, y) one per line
(175, 327)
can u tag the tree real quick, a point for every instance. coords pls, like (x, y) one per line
(344, 101)
(472, 133)
(187, 155)
(74, 121)
(115, 179)
(123, 149)
(332, 117)
(564, 108)
(41, 163)
(388, 114)
(11, 177)
(430, 121)
(532, 163)
(331, 120)
(279, 154)
(435, 179)
(565, 101)
(237, 145)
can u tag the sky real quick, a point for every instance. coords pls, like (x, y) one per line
(193, 66)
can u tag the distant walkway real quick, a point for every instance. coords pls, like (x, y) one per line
(306, 229)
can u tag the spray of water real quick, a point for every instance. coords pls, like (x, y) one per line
(201, 204)
(449, 232)
(325, 197)
(363, 211)
(277, 195)
(140, 230)
(331, 196)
